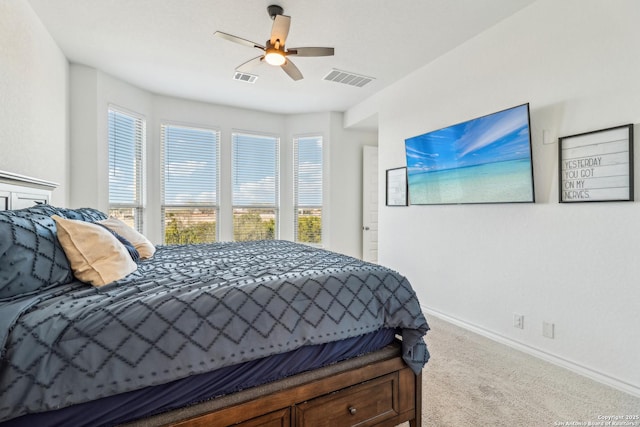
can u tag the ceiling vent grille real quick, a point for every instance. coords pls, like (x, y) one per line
(245, 77)
(347, 78)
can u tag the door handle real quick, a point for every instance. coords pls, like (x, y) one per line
(365, 228)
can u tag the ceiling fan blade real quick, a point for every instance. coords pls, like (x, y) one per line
(290, 68)
(311, 51)
(280, 29)
(239, 40)
(250, 64)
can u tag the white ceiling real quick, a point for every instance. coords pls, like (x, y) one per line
(167, 46)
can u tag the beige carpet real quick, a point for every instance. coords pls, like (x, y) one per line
(473, 381)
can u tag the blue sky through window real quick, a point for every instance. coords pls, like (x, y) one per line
(255, 170)
(308, 171)
(125, 147)
(190, 165)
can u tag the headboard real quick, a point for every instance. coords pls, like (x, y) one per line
(19, 191)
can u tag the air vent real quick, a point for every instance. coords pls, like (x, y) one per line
(245, 77)
(347, 78)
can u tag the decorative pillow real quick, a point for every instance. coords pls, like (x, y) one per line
(95, 255)
(133, 252)
(31, 258)
(141, 243)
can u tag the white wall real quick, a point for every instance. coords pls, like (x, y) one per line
(346, 185)
(33, 99)
(93, 91)
(91, 94)
(575, 265)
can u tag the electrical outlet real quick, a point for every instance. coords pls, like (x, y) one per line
(548, 329)
(518, 321)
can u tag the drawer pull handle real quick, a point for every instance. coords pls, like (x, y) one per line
(352, 410)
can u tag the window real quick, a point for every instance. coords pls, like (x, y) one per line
(255, 187)
(307, 188)
(190, 184)
(126, 138)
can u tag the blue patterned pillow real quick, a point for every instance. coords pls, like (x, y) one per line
(82, 214)
(31, 258)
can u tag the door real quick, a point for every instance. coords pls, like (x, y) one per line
(370, 203)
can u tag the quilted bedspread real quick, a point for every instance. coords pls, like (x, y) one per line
(193, 309)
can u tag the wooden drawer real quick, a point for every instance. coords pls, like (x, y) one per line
(280, 418)
(275, 419)
(362, 405)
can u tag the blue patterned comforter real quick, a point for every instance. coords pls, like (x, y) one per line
(193, 309)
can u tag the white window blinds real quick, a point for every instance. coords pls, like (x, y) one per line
(126, 137)
(190, 184)
(255, 183)
(307, 177)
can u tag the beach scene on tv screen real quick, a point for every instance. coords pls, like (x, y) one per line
(484, 160)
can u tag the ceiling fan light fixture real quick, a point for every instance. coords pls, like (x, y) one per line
(274, 57)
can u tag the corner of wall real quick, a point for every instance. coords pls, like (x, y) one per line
(34, 88)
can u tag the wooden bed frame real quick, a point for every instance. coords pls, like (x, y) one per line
(377, 389)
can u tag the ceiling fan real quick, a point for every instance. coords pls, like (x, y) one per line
(274, 51)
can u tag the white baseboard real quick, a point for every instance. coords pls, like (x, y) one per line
(548, 357)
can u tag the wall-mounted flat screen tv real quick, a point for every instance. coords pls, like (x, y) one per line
(484, 160)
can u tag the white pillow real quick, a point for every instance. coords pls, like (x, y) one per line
(95, 255)
(144, 247)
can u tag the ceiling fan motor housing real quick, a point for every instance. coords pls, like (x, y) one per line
(274, 10)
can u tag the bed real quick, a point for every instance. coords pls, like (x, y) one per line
(255, 333)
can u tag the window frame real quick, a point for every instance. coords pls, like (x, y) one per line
(277, 179)
(295, 186)
(163, 205)
(139, 205)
